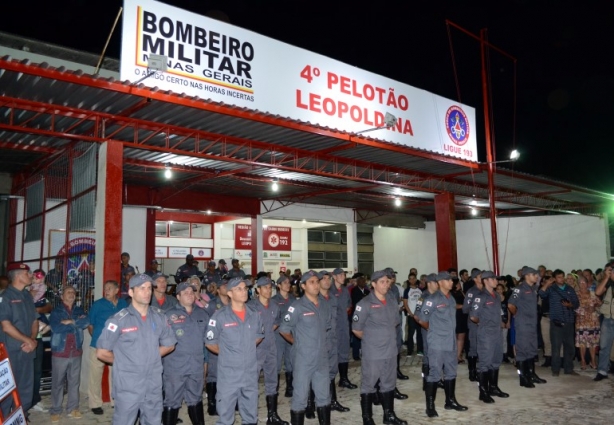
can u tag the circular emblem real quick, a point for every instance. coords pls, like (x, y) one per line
(273, 240)
(457, 125)
(179, 332)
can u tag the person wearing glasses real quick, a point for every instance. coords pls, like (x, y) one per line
(233, 334)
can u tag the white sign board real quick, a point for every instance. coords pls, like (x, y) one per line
(17, 418)
(161, 252)
(223, 63)
(178, 252)
(7, 381)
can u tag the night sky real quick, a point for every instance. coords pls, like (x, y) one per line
(564, 123)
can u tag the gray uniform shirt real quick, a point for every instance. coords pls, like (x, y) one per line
(524, 297)
(440, 313)
(487, 308)
(472, 293)
(344, 303)
(378, 322)
(169, 302)
(18, 308)
(270, 318)
(189, 330)
(309, 325)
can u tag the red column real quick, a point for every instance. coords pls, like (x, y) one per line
(150, 237)
(255, 260)
(113, 175)
(445, 223)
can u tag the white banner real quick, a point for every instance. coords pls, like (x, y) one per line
(223, 63)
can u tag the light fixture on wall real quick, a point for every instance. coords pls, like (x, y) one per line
(274, 186)
(209, 212)
(514, 155)
(168, 173)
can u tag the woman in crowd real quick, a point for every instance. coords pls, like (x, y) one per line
(572, 280)
(587, 322)
(461, 318)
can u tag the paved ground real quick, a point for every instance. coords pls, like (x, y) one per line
(566, 400)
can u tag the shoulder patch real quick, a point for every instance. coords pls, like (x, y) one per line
(355, 318)
(477, 300)
(211, 322)
(291, 309)
(470, 295)
(287, 318)
(112, 327)
(122, 313)
(358, 308)
(476, 306)
(429, 303)
(516, 290)
(210, 335)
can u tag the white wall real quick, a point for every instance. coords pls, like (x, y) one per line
(564, 241)
(133, 236)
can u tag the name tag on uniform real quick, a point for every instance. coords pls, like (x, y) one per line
(375, 306)
(132, 329)
(441, 305)
(311, 313)
(227, 325)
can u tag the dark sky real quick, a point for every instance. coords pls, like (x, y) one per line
(564, 124)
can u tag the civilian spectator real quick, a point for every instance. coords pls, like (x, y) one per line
(38, 290)
(572, 280)
(85, 286)
(19, 328)
(67, 322)
(411, 295)
(544, 323)
(563, 301)
(124, 288)
(461, 319)
(101, 310)
(125, 267)
(590, 279)
(55, 277)
(606, 290)
(587, 322)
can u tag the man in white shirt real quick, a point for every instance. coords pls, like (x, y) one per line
(411, 295)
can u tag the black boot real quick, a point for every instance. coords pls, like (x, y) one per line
(493, 379)
(344, 382)
(431, 393)
(310, 410)
(398, 395)
(484, 387)
(197, 414)
(334, 404)
(399, 373)
(611, 367)
(534, 378)
(297, 418)
(169, 416)
(288, 384)
(524, 374)
(211, 393)
(425, 373)
(272, 418)
(472, 363)
(324, 414)
(377, 400)
(366, 406)
(451, 403)
(440, 384)
(390, 418)
(547, 361)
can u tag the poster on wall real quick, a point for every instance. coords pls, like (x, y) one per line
(276, 242)
(79, 251)
(202, 253)
(161, 252)
(219, 62)
(178, 252)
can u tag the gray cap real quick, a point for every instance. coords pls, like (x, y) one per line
(263, 281)
(443, 276)
(528, 270)
(183, 285)
(432, 277)
(157, 275)
(389, 272)
(378, 275)
(338, 271)
(211, 263)
(488, 275)
(309, 274)
(234, 282)
(138, 280)
(322, 274)
(281, 279)
(476, 273)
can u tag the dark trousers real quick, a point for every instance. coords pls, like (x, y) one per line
(38, 372)
(356, 345)
(412, 328)
(562, 335)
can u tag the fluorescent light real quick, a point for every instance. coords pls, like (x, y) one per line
(397, 202)
(274, 186)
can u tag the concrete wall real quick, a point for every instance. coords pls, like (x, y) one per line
(565, 241)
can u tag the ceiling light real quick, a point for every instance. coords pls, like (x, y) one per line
(514, 155)
(474, 211)
(167, 171)
(474, 202)
(397, 202)
(274, 186)
(209, 212)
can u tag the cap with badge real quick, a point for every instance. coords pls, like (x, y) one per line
(17, 266)
(338, 271)
(488, 275)
(378, 275)
(432, 277)
(183, 285)
(263, 281)
(528, 270)
(234, 282)
(443, 276)
(309, 274)
(138, 280)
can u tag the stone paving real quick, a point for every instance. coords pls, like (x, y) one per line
(563, 400)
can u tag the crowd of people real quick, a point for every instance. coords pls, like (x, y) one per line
(217, 331)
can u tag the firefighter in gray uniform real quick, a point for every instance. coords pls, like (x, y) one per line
(160, 298)
(284, 299)
(134, 340)
(375, 322)
(233, 333)
(523, 306)
(306, 325)
(183, 368)
(472, 293)
(344, 307)
(486, 313)
(438, 316)
(267, 349)
(394, 291)
(432, 287)
(211, 275)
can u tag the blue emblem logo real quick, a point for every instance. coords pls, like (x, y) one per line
(457, 125)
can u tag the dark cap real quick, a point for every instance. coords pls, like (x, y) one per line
(528, 270)
(378, 275)
(234, 260)
(211, 263)
(488, 275)
(281, 279)
(17, 266)
(389, 272)
(323, 273)
(157, 275)
(125, 253)
(234, 282)
(338, 271)
(189, 257)
(154, 261)
(443, 276)
(476, 273)
(432, 277)
(263, 281)
(308, 274)
(138, 280)
(357, 275)
(222, 261)
(183, 285)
